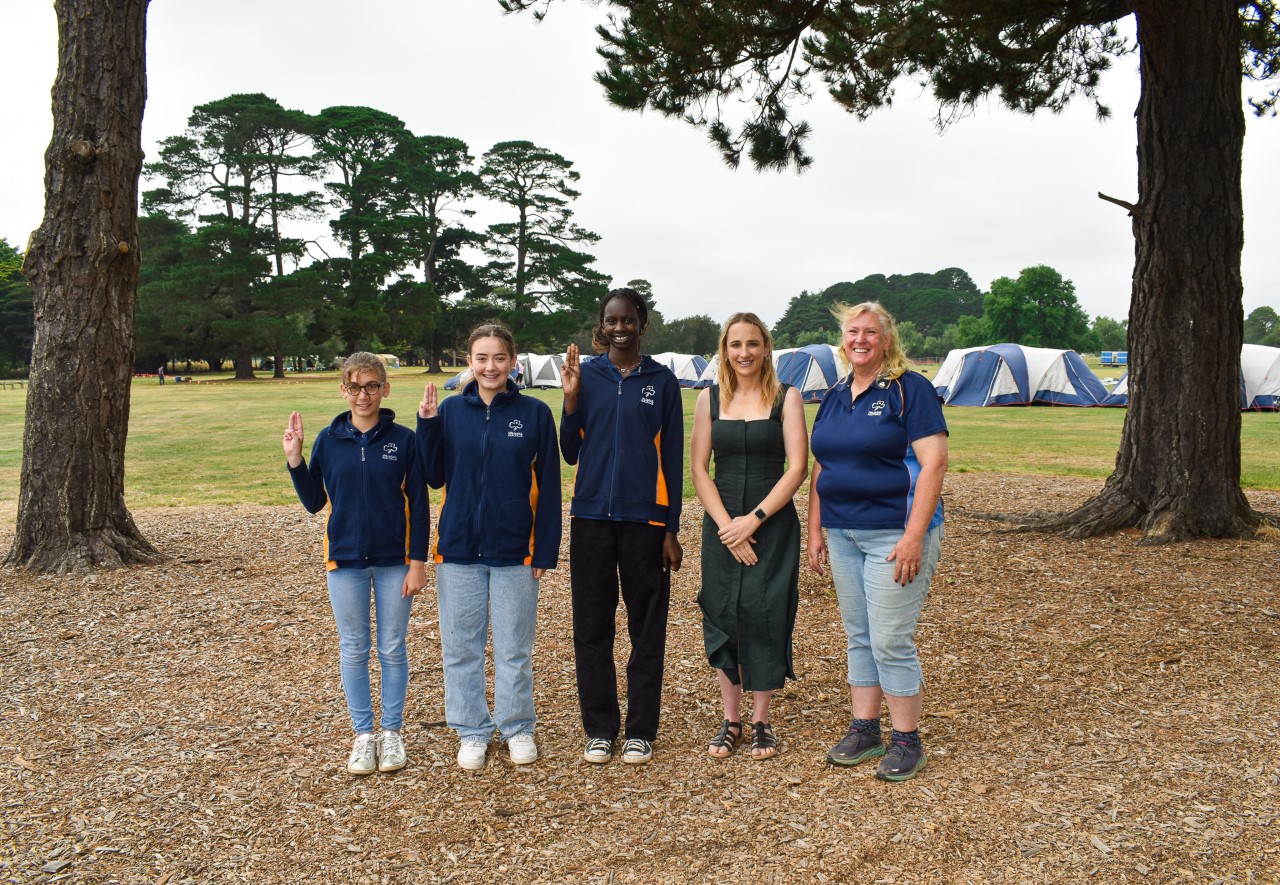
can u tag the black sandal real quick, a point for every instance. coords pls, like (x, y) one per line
(764, 744)
(726, 739)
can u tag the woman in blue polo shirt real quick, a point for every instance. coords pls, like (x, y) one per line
(880, 453)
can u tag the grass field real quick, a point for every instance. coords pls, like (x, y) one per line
(219, 442)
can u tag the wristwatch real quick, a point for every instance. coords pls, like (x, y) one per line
(760, 514)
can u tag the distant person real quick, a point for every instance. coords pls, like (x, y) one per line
(754, 428)
(880, 454)
(160, 374)
(493, 450)
(364, 466)
(623, 426)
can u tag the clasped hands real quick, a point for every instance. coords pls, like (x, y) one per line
(737, 536)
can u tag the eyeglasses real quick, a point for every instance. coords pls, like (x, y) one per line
(370, 388)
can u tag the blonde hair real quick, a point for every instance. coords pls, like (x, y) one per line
(363, 361)
(895, 359)
(493, 330)
(727, 378)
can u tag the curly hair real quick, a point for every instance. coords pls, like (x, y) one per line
(895, 358)
(363, 361)
(727, 378)
(600, 341)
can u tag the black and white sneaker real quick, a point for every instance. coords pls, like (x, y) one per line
(636, 751)
(598, 751)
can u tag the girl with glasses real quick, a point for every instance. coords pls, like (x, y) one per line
(363, 466)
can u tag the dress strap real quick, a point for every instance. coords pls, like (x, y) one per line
(715, 402)
(776, 413)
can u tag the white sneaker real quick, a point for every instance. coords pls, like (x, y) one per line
(523, 749)
(363, 758)
(471, 754)
(391, 754)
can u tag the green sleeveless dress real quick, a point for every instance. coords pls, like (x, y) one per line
(749, 612)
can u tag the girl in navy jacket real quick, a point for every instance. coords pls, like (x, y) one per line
(364, 467)
(494, 452)
(623, 426)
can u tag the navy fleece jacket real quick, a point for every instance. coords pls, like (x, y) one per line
(501, 477)
(627, 438)
(378, 507)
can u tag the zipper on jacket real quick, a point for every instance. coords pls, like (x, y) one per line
(617, 429)
(477, 520)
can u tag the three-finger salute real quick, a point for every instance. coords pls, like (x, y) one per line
(293, 440)
(429, 407)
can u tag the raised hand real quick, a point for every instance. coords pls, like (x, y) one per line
(429, 407)
(293, 440)
(571, 373)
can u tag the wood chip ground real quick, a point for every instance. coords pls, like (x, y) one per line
(1096, 712)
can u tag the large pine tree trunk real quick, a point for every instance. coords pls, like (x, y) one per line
(83, 269)
(1178, 469)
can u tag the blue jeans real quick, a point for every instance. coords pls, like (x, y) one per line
(349, 590)
(880, 614)
(470, 598)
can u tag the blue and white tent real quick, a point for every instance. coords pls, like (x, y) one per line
(1260, 377)
(1259, 380)
(688, 367)
(813, 369)
(1119, 395)
(1011, 374)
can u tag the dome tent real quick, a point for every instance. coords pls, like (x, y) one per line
(1011, 374)
(688, 367)
(1259, 380)
(813, 369)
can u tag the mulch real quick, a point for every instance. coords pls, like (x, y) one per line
(1095, 711)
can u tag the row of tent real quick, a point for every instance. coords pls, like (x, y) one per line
(813, 370)
(1010, 374)
(997, 375)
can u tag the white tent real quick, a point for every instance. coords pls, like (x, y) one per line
(540, 370)
(688, 367)
(1260, 376)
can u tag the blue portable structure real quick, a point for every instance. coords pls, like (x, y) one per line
(813, 369)
(688, 367)
(1259, 380)
(1012, 374)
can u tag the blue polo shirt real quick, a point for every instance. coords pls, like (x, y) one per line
(869, 471)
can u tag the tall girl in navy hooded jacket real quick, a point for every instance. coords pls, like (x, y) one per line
(623, 426)
(363, 465)
(494, 452)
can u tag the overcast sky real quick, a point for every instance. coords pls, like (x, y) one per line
(995, 193)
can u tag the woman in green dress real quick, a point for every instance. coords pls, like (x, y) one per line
(754, 427)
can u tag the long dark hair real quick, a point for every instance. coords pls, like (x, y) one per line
(600, 341)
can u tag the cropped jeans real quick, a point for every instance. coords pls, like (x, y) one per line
(349, 594)
(880, 614)
(473, 599)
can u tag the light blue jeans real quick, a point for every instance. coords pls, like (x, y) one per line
(470, 598)
(880, 614)
(349, 591)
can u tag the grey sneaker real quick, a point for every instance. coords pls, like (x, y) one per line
(523, 749)
(856, 746)
(636, 751)
(598, 751)
(391, 754)
(901, 761)
(364, 755)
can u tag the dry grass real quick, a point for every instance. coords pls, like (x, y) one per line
(1096, 712)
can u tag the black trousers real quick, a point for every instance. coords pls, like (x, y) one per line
(604, 555)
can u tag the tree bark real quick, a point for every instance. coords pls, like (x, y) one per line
(83, 270)
(1177, 472)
